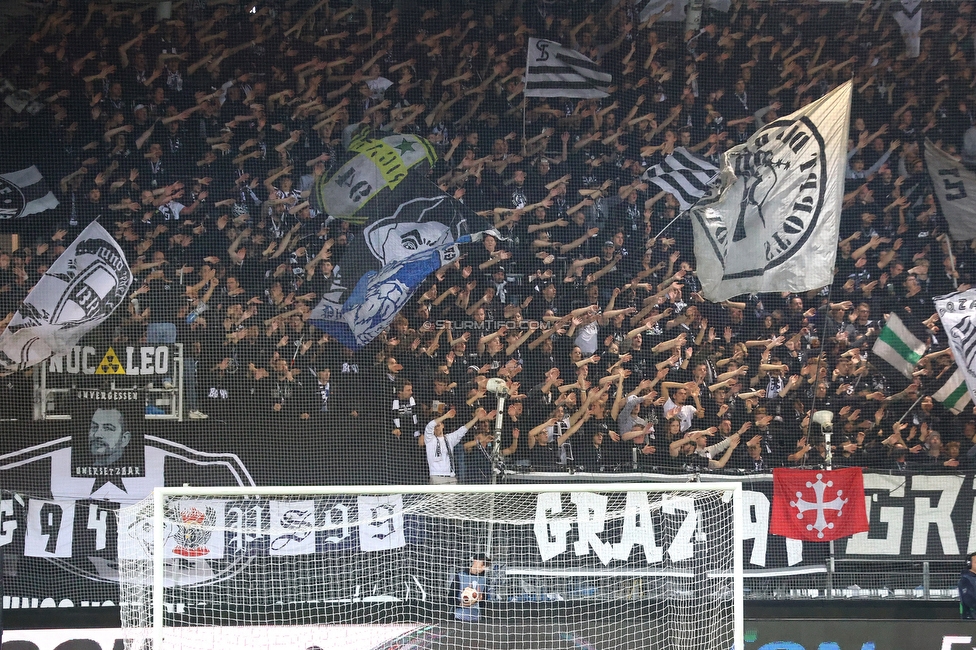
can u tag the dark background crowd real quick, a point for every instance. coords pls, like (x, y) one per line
(196, 140)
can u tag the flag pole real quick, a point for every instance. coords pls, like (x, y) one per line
(952, 259)
(681, 214)
(914, 404)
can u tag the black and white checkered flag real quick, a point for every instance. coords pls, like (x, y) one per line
(684, 175)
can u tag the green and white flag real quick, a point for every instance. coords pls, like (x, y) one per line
(899, 345)
(954, 395)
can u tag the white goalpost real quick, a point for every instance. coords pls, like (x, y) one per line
(592, 566)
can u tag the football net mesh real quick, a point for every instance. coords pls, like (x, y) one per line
(592, 568)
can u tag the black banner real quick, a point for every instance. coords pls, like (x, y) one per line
(59, 530)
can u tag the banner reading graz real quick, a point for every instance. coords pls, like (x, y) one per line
(59, 533)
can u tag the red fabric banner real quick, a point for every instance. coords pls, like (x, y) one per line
(816, 505)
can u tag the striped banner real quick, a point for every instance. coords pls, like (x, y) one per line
(899, 346)
(684, 175)
(552, 70)
(954, 394)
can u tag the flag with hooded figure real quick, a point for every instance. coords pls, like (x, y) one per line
(684, 175)
(552, 70)
(362, 188)
(957, 312)
(955, 189)
(23, 193)
(772, 220)
(382, 268)
(902, 343)
(80, 290)
(816, 505)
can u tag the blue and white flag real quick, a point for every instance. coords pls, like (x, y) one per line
(381, 269)
(80, 290)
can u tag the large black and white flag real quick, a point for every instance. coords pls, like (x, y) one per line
(684, 175)
(23, 193)
(772, 220)
(552, 70)
(955, 188)
(80, 290)
(957, 312)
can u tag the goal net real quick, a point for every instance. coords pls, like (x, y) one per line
(447, 567)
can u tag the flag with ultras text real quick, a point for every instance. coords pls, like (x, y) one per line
(818, 505)
(771, 222)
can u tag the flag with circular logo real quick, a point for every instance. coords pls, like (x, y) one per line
(771, 222)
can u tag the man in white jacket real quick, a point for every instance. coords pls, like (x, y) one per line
(440, 446)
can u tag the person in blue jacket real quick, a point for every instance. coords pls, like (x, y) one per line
(967, 589)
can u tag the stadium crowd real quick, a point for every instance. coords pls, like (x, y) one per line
(197, 139)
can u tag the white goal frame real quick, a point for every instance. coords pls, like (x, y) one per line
(160, 494)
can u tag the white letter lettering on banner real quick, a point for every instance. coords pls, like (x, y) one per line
(8, 523)
(550, 534)
(681, 546)
(380, 523)
(755, 526)
(50, 526)
(638, 529)
(947, 489)
(591, 514)
(892, 518)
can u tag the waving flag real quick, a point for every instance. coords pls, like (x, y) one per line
(901, 343)
(552, 70)
(772, 222)
(818, 505)
(80, 290)
(957, 312)
(382, 268)
(361, 189)
(23, 193)
(954, 394)
(684, 175)
(955, 188)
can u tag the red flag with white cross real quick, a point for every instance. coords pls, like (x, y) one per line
(818, 505)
